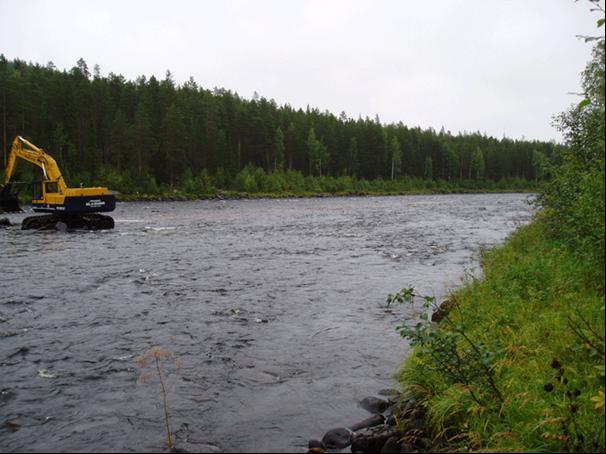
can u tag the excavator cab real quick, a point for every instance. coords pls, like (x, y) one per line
(41, 189)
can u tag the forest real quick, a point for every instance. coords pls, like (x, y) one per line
(153, 136)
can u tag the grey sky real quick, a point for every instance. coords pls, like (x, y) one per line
(500, 67)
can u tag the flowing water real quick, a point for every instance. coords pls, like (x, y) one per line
(274, 308)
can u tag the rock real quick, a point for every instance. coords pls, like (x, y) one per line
(408, 407)
(391, 446)
(391, 420)
(372, 439)
(4, 222)
(374, 404)
(374, 420)
(315, 444)
(442, 310)
(424, 443)
(316, 451)
(393, 395)
(414, 424)
(176, 450)
(337, 438)
(388, 392)
(407, 447)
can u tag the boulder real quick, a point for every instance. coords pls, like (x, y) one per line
(372, 439)
(391, 446)
(374, 420)
(315, 444)
(374, 405)
(337, 438)
(4, 222)
(391, 420)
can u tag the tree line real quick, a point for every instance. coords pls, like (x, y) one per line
(158, 134)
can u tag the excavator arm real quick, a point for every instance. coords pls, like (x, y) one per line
(27, 151)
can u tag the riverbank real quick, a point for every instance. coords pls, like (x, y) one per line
(517, 364)
(237, 195)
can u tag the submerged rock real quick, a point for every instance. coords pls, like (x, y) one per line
(374, 404)
(4, 222)
(337, 438)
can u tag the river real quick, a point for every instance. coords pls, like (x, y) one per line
(274, 308)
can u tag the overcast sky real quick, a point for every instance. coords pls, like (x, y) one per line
(499, 67)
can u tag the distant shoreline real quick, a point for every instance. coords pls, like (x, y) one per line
(178, 196)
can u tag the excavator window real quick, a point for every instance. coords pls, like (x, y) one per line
(51, 186)
(37, 190)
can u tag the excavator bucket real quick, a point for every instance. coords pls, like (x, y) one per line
(9, 202)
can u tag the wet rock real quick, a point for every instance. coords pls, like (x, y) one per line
(372, 439)
(4, 222)
(337, 438)
(315, 444)
(443, 310)
(374, 404)
(374, 420)
(391, 446)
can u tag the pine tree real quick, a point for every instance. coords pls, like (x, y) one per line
(396, 156)
(278, 151)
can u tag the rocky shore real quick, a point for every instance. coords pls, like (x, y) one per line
(395, 425)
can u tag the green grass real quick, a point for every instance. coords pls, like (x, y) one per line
(533, 293)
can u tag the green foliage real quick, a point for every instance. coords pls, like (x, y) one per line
(476, 165)
(396, 157)
(574, 198)
(428, 168)
(199, 186)
(450, 350)
(278, 150)
(536, 302)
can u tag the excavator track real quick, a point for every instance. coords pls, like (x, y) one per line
(92, 221)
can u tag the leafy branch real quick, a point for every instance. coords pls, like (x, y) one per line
(445, 347)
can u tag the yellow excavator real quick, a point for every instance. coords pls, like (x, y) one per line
(70, 208)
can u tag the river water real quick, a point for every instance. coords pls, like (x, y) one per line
(274, 308)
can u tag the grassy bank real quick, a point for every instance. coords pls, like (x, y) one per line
(518, 364)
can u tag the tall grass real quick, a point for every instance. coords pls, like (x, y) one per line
(536, 304)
